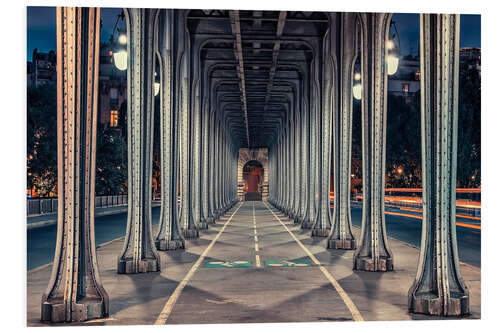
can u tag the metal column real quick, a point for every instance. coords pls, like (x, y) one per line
(139, 252)
(75, 292)
(341, 236)
(438, 288)
(373, 253)
(169, 236)
(322, 225)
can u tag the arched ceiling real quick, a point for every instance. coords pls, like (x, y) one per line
(256, 63)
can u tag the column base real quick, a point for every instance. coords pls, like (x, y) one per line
(341, 244)
(430, 304)
(190, 233)
(306, 224)
(164, 245)
(316, 232)
(211, 220)
(87, 308)
(125, 266)
(203, 225)
(297, 220)
(368, 264)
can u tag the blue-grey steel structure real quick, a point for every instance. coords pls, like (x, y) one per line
(251, 79)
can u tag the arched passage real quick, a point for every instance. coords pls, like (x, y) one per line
(253, 155)
(253, 173)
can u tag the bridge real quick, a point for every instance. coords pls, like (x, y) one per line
(255, 100)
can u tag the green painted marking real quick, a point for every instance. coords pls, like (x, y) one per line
(288, 263)
(228, 264)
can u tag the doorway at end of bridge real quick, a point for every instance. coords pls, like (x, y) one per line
(252, 175)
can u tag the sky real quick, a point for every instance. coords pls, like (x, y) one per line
(41, 29)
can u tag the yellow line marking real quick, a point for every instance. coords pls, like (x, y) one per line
(167, 309)
(257, 260)
(255, 238)
(356, 315)
(257, 247)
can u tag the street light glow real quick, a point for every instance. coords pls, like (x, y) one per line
(122, 39)
(392, 64)
(157, 88)
(120, 59)
(356, 91)
(390, 44)
(357, 76)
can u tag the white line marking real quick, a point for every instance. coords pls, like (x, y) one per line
(256, 239)
(356, 315)
(167, 309)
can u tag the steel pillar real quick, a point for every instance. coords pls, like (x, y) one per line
(439, 288)
(373, 253)
(188, 224)
(139, 252)
(204, 213)
(322, 225)
(75, 292)
(169, 236)
(341, 236)
(313, 181)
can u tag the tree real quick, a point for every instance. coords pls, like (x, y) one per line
(111, 162)
(42, 139)
(403, 155)
(469, 128)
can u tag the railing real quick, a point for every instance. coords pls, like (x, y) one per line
(37, 206)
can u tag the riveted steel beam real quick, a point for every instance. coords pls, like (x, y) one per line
(139, 252)
(373, 253)
(341, 236)
(439, 288)
(238, 52)
(169, 236)
(75, 292)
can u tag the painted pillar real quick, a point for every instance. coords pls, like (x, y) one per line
(373, 253)
(322, 225)
(341, 236)
(188, 224)
(313, 182)
(139, 252)
(169, 236)
(438, 288)
(75, 292)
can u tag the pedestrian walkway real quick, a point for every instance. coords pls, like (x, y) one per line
(254, 265)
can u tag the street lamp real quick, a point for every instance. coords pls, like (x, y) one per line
(120, 55)
(393, 51)
(157, 84)
(120, 52)
(357, 88)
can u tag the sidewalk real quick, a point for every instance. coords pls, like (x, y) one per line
(253, 293)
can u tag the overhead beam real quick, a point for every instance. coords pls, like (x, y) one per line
(238, 51)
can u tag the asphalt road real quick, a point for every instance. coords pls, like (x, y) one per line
(409, 230)
(41, 241)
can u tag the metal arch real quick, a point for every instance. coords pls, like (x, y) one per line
(139, 252)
